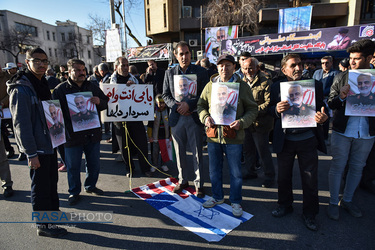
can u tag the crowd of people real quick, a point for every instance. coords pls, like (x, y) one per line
(186, 99)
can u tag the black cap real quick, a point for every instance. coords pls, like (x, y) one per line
(226, 57)
(345, 62)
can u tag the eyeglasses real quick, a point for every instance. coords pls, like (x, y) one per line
(39, 61)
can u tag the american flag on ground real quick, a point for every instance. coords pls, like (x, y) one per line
(186, 209)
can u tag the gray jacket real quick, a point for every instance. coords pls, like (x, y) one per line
(30, 126)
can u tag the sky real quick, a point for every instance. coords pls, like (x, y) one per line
(78, 11)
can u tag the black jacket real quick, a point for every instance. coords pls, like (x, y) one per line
(156, 80)
(278, 133)
(168, 91)
(81, 137)
(340, 120)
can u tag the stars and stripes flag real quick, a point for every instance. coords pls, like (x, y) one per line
(186, 209)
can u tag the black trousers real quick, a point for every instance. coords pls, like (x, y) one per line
(306, 151)
(44, 195)
(137, 133)
(4, 133)
(368, 174)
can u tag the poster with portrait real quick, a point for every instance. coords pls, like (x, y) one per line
(55, 122)
(361, 98)
(301, 98)
(83, 112)
(214, 36)
(185, 87)
(224, 99)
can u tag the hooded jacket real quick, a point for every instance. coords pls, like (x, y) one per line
(29, 122)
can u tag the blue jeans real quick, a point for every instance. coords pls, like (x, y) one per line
(233, 153)
(73, 159)
(347, 151)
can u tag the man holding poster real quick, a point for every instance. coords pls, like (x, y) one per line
(227, 138)
(301, 142)
(187, 131)
(352, 136)
(85, 141)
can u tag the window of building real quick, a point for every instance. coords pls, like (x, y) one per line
(55, 52)
(367, 11)
(80, 37)
(48, 37)
(148, 20)
(53, 36)
(89, 54)
(71, 53)
(63, 37)
(148, 2)
(88, 39)
(70, 36)
(65, 53)
(24, 28)
(50, 52)
(165, 15)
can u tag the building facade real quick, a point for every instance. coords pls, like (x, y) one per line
(173, 20)
(61, 42)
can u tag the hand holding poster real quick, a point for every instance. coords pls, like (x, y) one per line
(128, 103)
(224, 99)
(55, 122)
(185, 87)
(301, 98)
(82, 111)
(361, 98)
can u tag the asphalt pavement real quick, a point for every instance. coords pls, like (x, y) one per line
(137, 225)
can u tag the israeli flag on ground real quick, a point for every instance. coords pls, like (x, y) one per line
(212, 224)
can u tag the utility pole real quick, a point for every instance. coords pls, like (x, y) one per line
(112, 11)
(125, 40)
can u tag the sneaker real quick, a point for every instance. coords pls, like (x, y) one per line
(152, 169)
(199, 192)
(95, 190)
(73, 199)
(148, 174)
(63, 168)
(179, 187)
(237, 210)
(8, 192)
(52, 232)
(212, 202)
(333, 211)
(310, 222)
(282, 211)
(164, 168)
(351, 208)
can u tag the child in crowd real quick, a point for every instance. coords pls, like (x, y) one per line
(159, 134)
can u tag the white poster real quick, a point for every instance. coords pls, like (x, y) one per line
(224, 99)
(128, 103)
(361, 98)
(185, 87)
(82, 111)
(112, 45)
(301, 98)
(55, 122)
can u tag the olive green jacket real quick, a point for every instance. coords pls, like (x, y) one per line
(247, 110)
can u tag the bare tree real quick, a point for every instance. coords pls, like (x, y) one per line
(117, 8)
(74, 45)
(17, 41)
(98, 26)
(234, 12)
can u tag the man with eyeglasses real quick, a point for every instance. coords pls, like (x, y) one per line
(300, 142)
(27, 89)
(326, 75)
